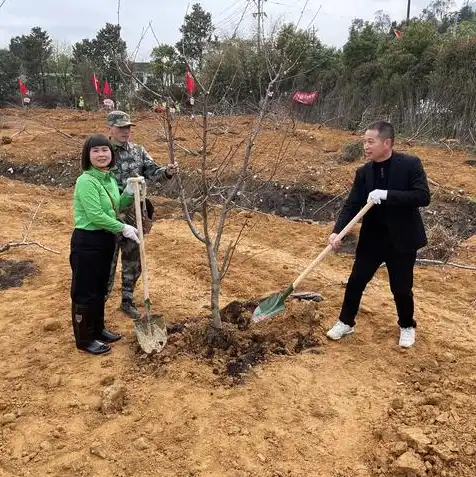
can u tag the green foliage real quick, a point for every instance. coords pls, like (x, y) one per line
(197, 36)
(362, 45)
(9, 71)
(167, 66)
(236, 68)
(33, 52)
(60, 69)
(105, 55)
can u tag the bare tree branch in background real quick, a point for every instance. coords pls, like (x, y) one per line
(24, 241)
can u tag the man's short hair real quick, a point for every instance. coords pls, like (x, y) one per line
(385, 130)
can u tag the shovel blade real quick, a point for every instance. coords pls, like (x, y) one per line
(151, 333)
(268, 308)
(273, 305)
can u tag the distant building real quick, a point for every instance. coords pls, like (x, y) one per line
(142, 72)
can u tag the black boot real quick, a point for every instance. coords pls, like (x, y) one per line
(82, 318)
(129, 308)
(100, 331)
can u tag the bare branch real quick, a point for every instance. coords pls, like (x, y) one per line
(330, 201)
(231, 251)
(427, 261)
(203, 172)
(189, 220)
(19, 132)
(246, 160)
(163, 135)
(170, 134)
(7, 246)
(141, 39)
(130, 74)
(28, 227)
(226, 260)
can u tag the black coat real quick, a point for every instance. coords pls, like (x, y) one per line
(399, 215)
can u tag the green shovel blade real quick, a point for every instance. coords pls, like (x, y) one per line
(271, 306)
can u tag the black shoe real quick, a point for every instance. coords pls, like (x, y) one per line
(101, 333)
(95, 347)
(107, 336)
(129, 308)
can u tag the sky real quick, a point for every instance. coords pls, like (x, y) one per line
(68, 21)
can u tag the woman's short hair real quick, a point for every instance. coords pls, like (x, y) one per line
(95, 141)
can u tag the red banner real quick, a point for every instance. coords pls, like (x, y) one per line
(96, 83)
(305, 98)
(22, 87)
(107, 89)
(189, 83)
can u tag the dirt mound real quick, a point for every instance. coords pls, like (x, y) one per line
(240, 345)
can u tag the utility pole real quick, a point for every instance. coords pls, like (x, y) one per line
(259, 15)
(408, 11)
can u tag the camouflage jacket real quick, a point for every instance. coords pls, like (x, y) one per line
(133, 160)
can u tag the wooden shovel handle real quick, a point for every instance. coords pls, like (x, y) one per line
(145, 280)
(343, 232)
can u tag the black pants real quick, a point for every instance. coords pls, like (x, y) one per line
(90, 259)
(400, 270)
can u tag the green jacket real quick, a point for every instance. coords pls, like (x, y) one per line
(93, 209)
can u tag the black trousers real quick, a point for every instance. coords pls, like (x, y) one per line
(90, 260)
(400, 270)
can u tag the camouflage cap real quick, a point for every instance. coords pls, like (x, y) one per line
(119, 119)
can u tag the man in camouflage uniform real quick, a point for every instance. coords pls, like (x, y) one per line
(131, 160)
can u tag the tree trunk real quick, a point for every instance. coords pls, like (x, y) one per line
(215, 287)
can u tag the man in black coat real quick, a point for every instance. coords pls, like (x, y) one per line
(392, 231)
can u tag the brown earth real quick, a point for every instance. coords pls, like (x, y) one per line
(361, 407)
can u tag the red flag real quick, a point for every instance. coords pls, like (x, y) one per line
(97, 84)
(107, 89)
(304, 97)
(23, 88)
(189, 83)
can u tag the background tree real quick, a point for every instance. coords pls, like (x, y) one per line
(197, 36)
(60, 68)
(33, 52)
(167, 66)
(9, 72)
(102, 55)
(237, 70)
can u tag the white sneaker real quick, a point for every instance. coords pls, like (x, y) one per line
(339, 330)
(407, 337)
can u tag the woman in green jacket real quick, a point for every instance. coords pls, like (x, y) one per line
(97, 203)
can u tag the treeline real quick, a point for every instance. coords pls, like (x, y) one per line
(421, 76)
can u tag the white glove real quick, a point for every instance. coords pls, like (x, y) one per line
(129, 190)
(131, 232)
(377, 195)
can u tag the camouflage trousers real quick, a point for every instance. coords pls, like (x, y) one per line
(130, 253)
(131, 269)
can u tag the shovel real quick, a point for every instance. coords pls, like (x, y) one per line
(275, 303)
(150, 329)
